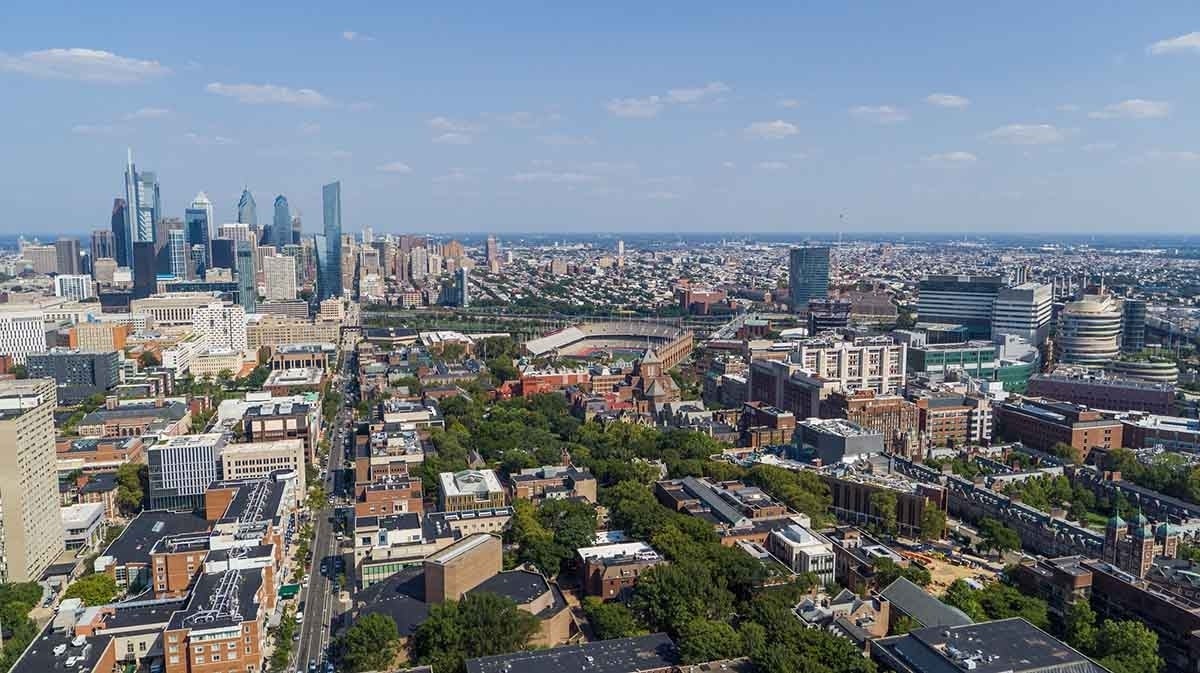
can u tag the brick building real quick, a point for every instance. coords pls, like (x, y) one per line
(1043, 423)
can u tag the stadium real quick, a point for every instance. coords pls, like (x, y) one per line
(633, 338)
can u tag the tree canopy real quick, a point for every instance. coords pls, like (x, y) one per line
(479, 625)
(94, 589)
(369, 644)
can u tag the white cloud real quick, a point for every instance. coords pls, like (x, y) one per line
(635, 108)
(789, 103)
(1027, 134)
(453, 139)
(395, 167)
(772, 165)
(564, 140)
(147, 113)
(879, 114)
(353, 36)
(198, 139)
(453, 125)
(85, 65)
(1183, 43)
(1172, 155)
(97, 129)
(1099, 147)
(695, 95)
(568, 178)
(266, 94)
(947, 100)
(309, 129)
(958, 157)
(650, 106)
(728, 164)
(1134, 108)
(773, 130)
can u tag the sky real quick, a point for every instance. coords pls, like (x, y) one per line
(1057, 118)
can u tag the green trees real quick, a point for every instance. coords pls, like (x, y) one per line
(283, 642)
(996, 601)
(95, 589)
(610, 620)
(997, 537)
(1127, 647)
(480, 625)
(1079, 626)
(547, 536)
(132, 481)
(883, 503)
(370, 644)
(16, 600)
(803, 491)
(933, 522)
(703, 640)
(887, 571)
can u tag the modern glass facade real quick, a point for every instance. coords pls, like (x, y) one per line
(329, 276)
(179, 252)
(198, 222)
(247, 210)
(142, 203)
(808, 275)
(247, 288)
(281, 225)
(123, 251)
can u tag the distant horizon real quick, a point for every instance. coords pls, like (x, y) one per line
(870, 117)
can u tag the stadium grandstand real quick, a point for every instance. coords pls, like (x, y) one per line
(671, 343)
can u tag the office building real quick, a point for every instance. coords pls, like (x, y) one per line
(43, 258)
(1023, 310)
(181, 469)
(960, 300)
(808, 275)
(1115, 393)
(1133, 325)
(198, 222)
(470, 490)
(247, 288)
(220, 326)
(99, 337)
(297, 230)
(1089, 331)
(74, 287)
(32, 534)
(803, 551)
(247, 210)
(897, 419)
(279, 273)
(238, 232)
(492, 250)
(834, 440)
(281, 224)
(258, 460)
(462, 292)
(825, 315)
(145, 269)
(123, 245)
(143, 207)
(223, 253)
(1043, 423)
(329, 280)
(104, 245)
(78, 375)
(22, 331)
(67, 256)
(1010, 645)
(178, 252)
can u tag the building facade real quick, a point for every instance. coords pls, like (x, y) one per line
(808, 275)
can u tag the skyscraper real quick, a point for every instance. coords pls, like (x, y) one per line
(329, 273)
(247, 211)
(198, 222)
(145, 269)
(224, 253)
(143, 208)
(103, 245)
(247, 288)
(67, 251)
(279, 272)
(808, 275)
(123, 246)
(960, 300)
(281, 226)
(462, 292)
(297, 230)
(178, 250)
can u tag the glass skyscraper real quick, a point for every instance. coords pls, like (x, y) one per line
(198, 222)
(178, 251)
(329, 268)
(281, 225)
(142, 204)
(808, 275)
(247, 288)
(122, 246)
(247, 210)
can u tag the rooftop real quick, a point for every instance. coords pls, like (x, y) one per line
(918, 604)
(44, 655)
(469, 481)
(147, 528)
(1002, 646)
(619, 655)
(622, 551)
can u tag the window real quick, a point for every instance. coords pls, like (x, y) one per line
(142, 646)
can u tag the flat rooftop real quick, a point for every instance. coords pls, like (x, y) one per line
(469, 481)
(620, 551)
(619, 655)
(1000, 646)
(146, 529)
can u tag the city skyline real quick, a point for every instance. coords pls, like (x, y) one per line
(871, 119)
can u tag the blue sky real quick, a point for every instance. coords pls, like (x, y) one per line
(521, 116)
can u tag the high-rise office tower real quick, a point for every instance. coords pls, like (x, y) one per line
(32, 535)
(181, 469)
(67, 251)
(492, 250)
(318, 252)
(281, 225)
(418, 261)
(178, 250)
(143, 206)
(297, 230)
(145, 269)
(279, 274)
(808, 275)
(461, 290)
(620, 252)
(368, 236)
(74, 287)
(221, 326)
(247, 210)
(329, 280)
(1133, 327)
(247, 288)
(959, 300)
(198, 222)
(224, 253)
(103, 245)
(1023, 310)
(123, 251)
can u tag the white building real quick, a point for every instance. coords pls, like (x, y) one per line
(181, 469)
(279, 273)
(1089, 331)
(74, 287)
(179, 357)
(221, 326)
(22, 331)
(1023, 310)
(82, 524)
(803, 551)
